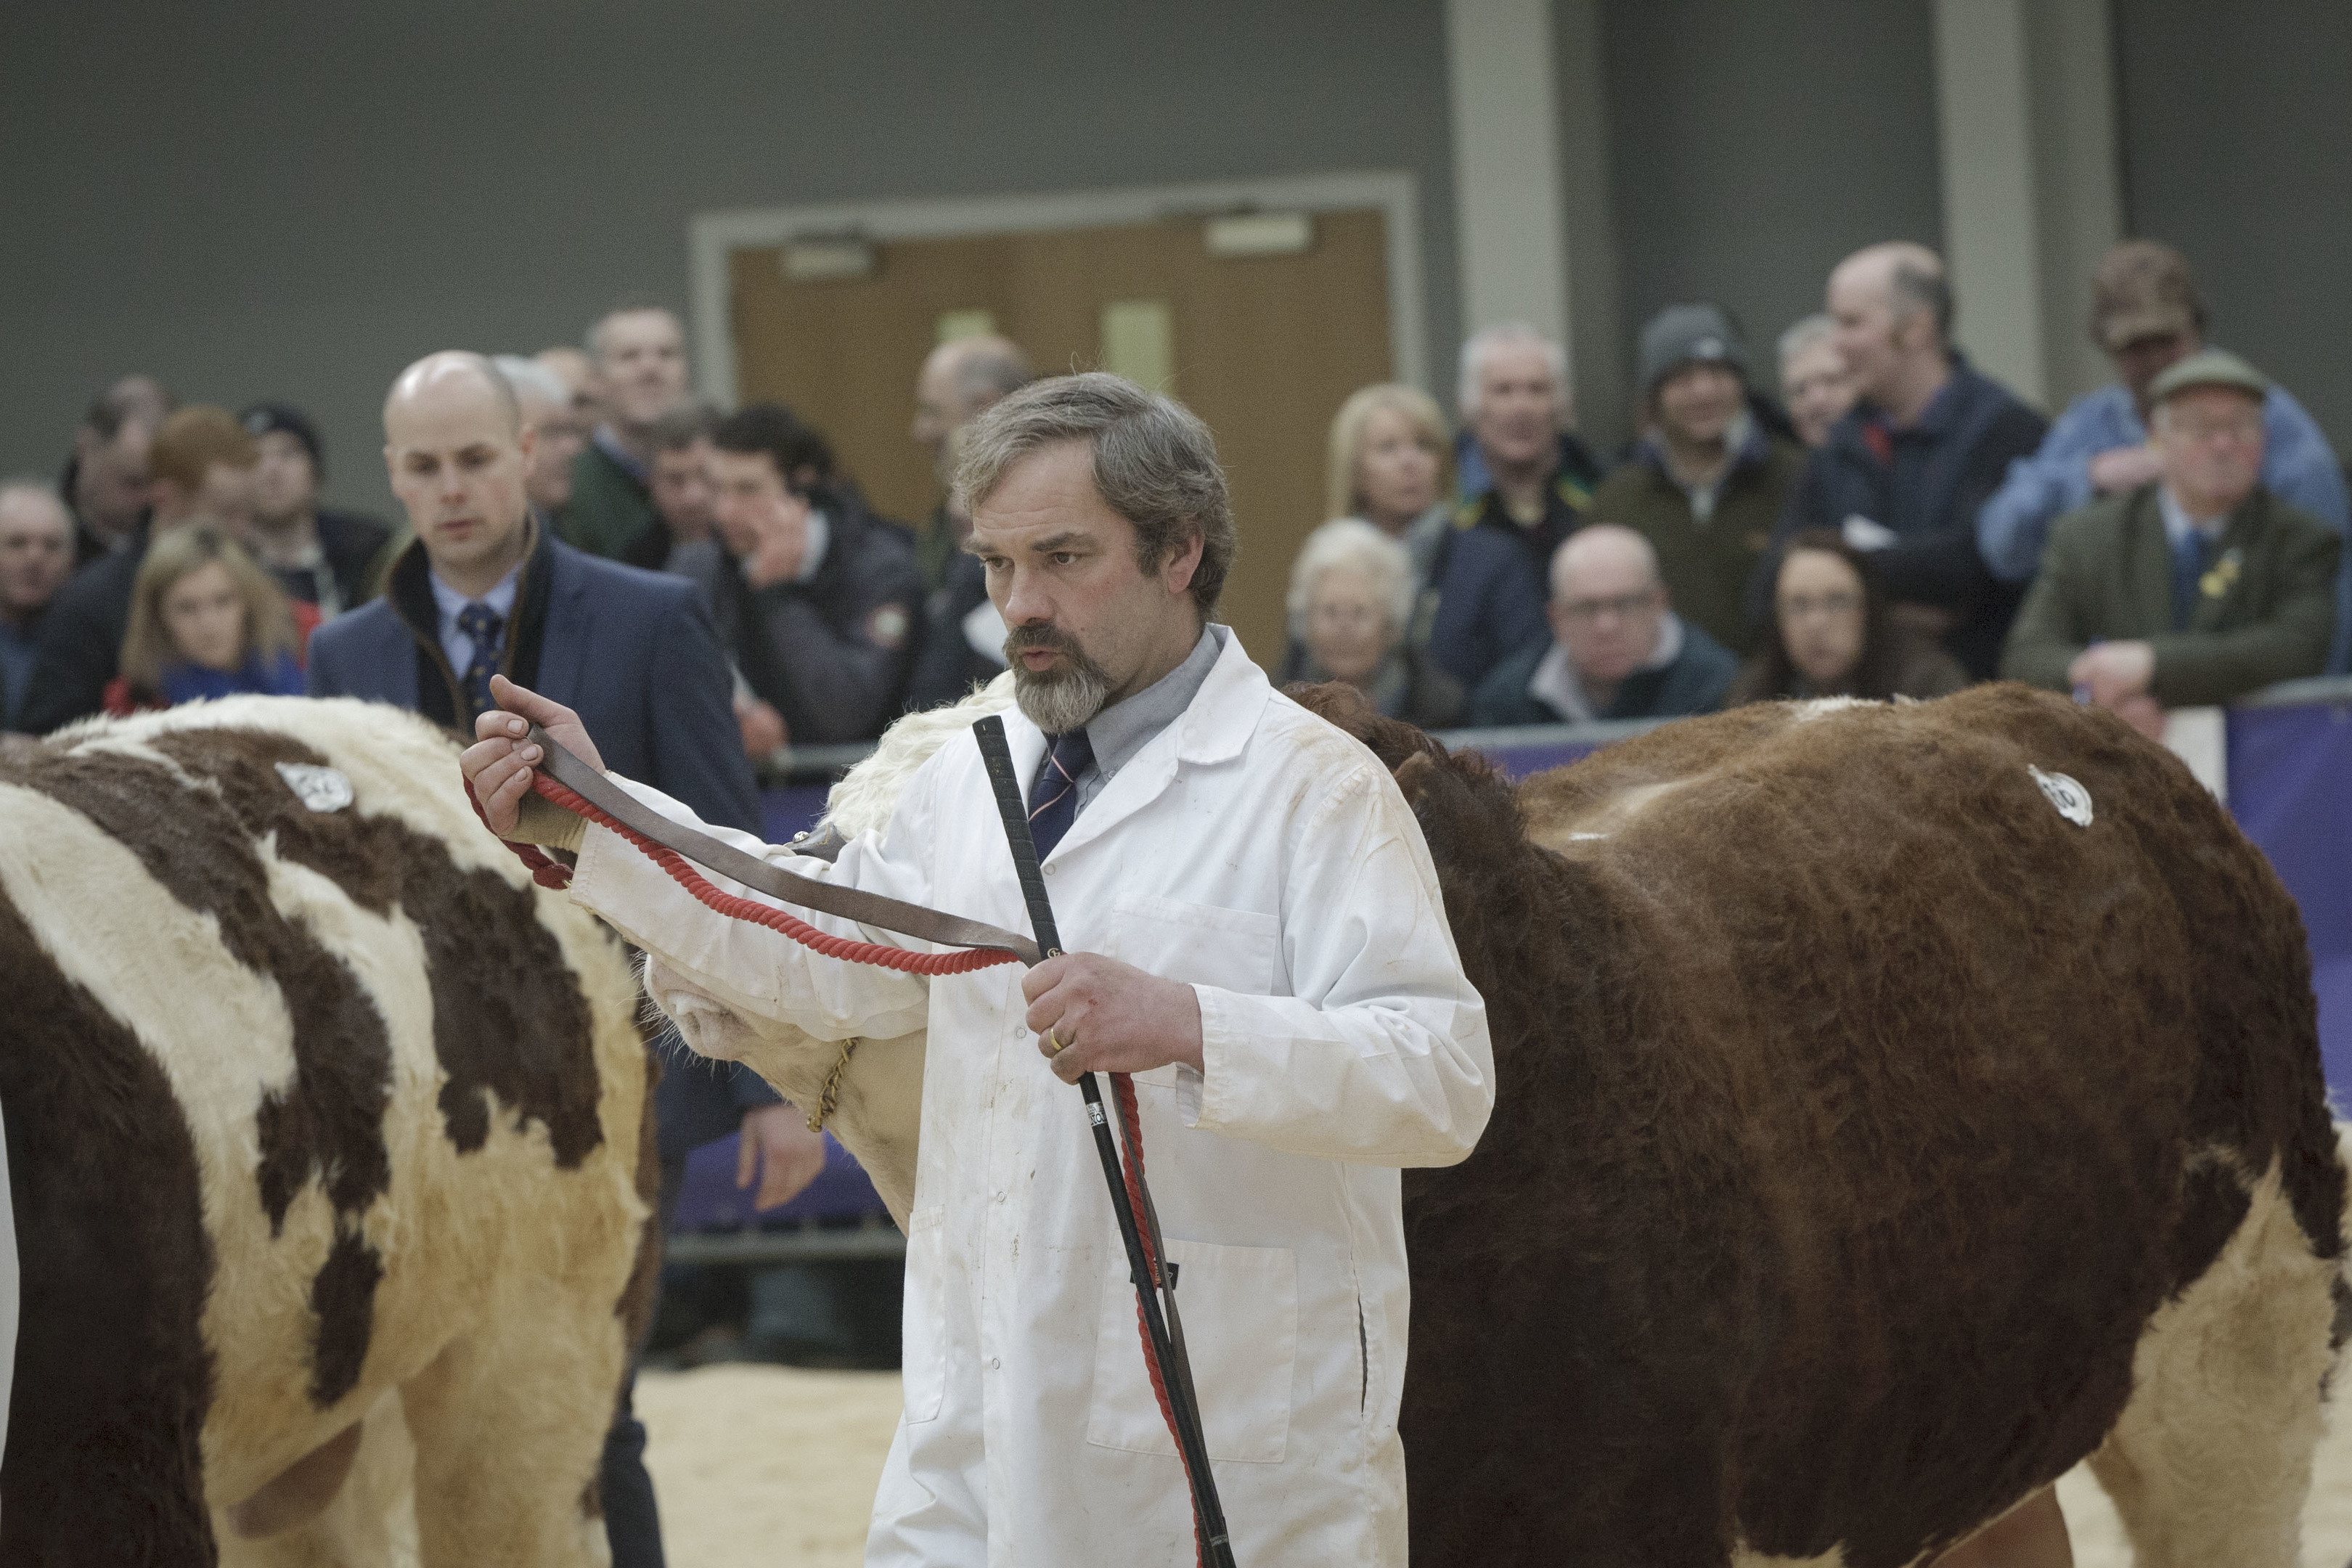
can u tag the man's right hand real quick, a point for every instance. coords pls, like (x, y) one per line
(500, 763)
(2124, 468)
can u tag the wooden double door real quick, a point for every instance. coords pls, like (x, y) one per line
(1261, 347)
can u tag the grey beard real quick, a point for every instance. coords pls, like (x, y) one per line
(1063, 700)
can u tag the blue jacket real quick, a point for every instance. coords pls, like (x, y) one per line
(1926, 482)
(1490, 602)
(630, 652)
(2298, 467)
(633, 654)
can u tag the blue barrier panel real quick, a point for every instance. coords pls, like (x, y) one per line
(2291, 790)
(791, 809)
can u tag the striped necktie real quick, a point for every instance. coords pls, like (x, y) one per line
(483, 625)
(1054, 797)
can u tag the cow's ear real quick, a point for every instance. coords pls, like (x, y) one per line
(1416, 777)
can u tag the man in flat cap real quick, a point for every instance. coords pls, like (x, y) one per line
(2147, 315)
(2195, 587)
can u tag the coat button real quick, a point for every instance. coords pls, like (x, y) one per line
(994, 1363)
(1049, 870)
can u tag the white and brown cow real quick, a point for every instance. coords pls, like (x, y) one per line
(1882, 1125)
(328, 1138)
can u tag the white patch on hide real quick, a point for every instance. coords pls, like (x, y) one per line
(319, 789)
(2072, 800)
(1822, 707)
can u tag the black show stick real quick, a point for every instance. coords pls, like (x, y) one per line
(1208, 1513)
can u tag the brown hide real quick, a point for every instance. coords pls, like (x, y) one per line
(112, 1378)
(328, 1124)
(1854, 1110)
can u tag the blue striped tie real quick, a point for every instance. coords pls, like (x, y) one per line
(483, 625)
(1053, 798)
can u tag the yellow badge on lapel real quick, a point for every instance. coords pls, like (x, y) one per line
(2219, 580)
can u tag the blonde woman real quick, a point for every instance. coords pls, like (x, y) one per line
(1392, 465)
(205, 621)
(1351, 601)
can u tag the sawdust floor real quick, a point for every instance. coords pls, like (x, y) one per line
(766, 1467)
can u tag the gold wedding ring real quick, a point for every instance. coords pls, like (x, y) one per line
(1058, 1044)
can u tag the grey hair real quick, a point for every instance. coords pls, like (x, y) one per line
(1818, 328)
(1155, 464)
(1485, 342)
(1349, 543)
(531, 379)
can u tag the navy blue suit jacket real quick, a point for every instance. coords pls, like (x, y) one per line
(630, 652)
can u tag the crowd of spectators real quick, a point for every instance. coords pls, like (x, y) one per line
(707, 587)
(1873, 531)
(1867, 522)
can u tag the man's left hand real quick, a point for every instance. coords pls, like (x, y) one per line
(2114, 670)
(501, 762)
(2142, 714)
(1109, 1017)
(777, 1145)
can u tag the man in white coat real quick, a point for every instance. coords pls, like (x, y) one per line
(1255, 931)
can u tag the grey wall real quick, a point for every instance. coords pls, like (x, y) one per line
(2237, 148)
(281, 198)
(1752, 146)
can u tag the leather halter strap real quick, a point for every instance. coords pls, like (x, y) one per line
(895, 915)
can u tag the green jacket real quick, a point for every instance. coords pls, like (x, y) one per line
(1706, 567)
(608, 507)
(2266, 613)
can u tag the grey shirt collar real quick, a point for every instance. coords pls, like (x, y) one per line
(1125, 728)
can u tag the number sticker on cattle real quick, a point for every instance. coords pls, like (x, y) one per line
(2072, 801)
(320, 789)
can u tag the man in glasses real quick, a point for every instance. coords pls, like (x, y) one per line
(1617, 648)
(2194, 588)
(2147, 315)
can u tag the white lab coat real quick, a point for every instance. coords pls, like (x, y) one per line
(1268, 859)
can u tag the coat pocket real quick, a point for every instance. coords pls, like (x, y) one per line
(1201, 944)
(923, 1323)
(1240, 1306)
(1234, 950)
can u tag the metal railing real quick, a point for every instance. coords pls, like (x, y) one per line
(876, 1238)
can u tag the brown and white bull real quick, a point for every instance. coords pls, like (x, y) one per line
(1895, 1106)
(328, 1138)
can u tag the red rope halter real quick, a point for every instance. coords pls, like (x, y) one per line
(550, 873)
